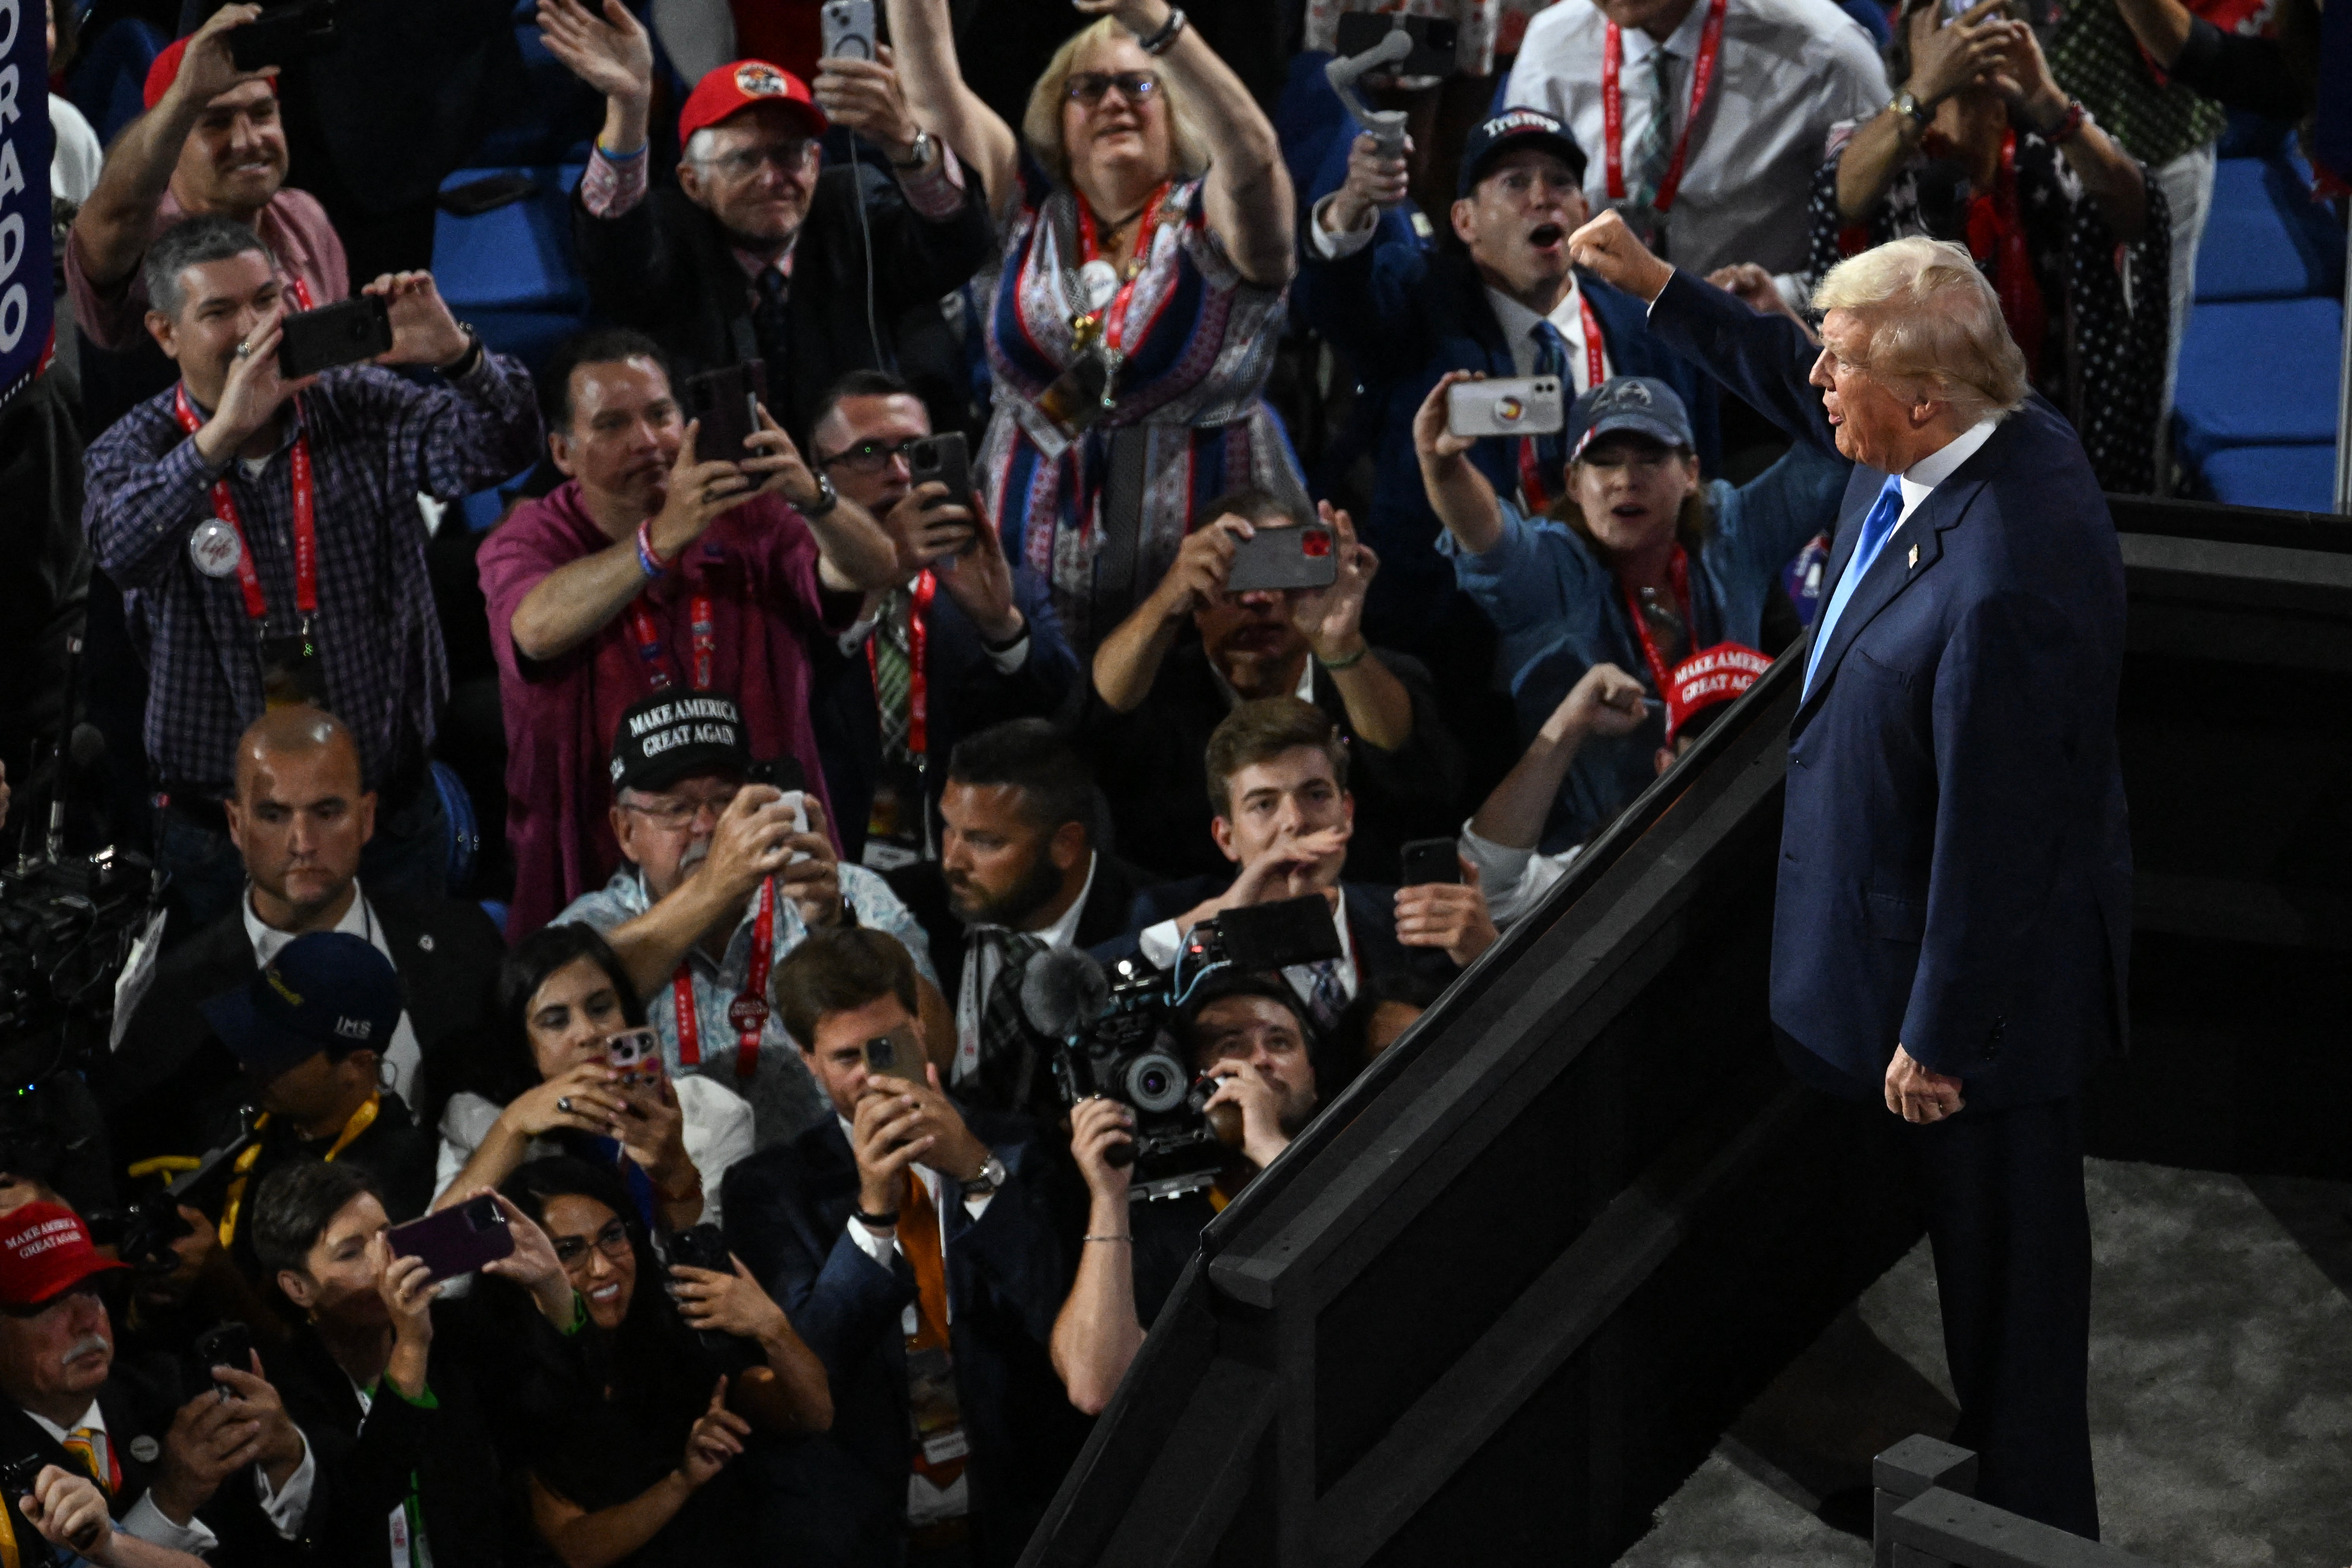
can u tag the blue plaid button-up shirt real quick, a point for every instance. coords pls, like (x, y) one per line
(377, 441)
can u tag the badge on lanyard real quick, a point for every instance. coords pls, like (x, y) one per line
(215, 548)
(291, 673)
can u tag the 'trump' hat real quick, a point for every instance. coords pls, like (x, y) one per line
(1641, 404)
(329, 991)
(1708, 678)
(1512, 129)
(45, 1249)
(735, 87)
(670, 736)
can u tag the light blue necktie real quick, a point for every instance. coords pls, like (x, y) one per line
(1551, 359)
(1874, 530)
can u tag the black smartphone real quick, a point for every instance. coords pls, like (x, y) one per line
(1276, 558)
(475, 197)
(897, 1053)
(349, 332)
(231, 1344)
(1277, 935)
(781, 773)
(701, 1246)
(1433, 40)
(1428, 860)
(726, 401)
(456, 1240)
(943, 459)
(283, 34)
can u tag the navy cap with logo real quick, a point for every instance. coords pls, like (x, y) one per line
(1513, 129)
(329, 991)
(1636, 403)
(674, 735)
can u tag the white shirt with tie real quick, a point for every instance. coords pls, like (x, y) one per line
(1788, 72)
(984, 955)
(285, 1509)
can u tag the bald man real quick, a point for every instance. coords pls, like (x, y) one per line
(299, 820)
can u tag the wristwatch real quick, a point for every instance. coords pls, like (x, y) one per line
(919, 153)
(1904, 103)
(991, 1177)
(827, 497)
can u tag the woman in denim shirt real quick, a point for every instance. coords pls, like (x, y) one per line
(1639, 533)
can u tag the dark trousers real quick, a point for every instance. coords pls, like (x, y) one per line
(2012, 1234)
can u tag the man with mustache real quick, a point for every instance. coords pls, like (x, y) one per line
(1498, 298)
(653, 567)
(65, 1400)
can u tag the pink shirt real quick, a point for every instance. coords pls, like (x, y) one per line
(294, 225)
(758, 563)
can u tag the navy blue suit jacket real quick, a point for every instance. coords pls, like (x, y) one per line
(842, 1498)
(1955, 865)
(1403, 314)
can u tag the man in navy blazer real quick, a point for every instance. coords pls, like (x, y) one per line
(1954, 905)
(975, 1443)
(1403, 313)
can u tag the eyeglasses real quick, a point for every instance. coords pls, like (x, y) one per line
(670, 813)
(744, 163)
(873, 456)
(1088, 87)
(612, 1241)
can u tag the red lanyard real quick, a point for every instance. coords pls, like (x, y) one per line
(1090, 249)
(702, 627)
(1680, 573)
(748, 1013)
(919, 686)
(1613, 107)
(1596, 370)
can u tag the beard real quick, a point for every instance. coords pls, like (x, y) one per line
(1033, 892)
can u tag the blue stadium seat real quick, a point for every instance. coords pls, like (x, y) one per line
(110, 81)
(483, 509)
(514, 257)
(2258, 372)
(2301, 478)
(2260, 241)
(465, 842)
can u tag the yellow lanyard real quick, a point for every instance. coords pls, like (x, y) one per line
(361, 1119)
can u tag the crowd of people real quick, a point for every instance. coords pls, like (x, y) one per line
(835, 721)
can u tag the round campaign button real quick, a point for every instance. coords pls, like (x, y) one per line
(1099, 281)
(747, 1012)
(145, 1450)
(214, 548)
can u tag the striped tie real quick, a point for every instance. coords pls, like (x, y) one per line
(87, 1444)
(893, 672)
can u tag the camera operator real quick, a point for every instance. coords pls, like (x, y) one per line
(1278, 778)
(717, 887)
(301, 819)
(911, 1245)
(69, 1402)
(1253, 1033)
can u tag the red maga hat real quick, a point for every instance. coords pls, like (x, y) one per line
(166, 71)
(735, 87)
(1710, 676)
(44, 1249)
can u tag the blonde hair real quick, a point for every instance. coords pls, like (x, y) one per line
(1041, 123)
(1934, 320)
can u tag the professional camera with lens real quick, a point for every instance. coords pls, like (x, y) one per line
(1117, 1032)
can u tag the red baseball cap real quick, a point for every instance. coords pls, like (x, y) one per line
(45, 1249)
(731, 88)
(1709, 677)
(166, 71)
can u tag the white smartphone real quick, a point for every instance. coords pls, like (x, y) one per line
(798, 800)
(847, 27)
(1515, 406)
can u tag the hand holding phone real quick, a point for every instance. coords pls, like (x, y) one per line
(456, 1240)
(1283, 558)
(1427, 861)
(229, 1346)
(1513, 406)
(350, 332)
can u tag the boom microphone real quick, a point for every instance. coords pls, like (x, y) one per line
(1063, 991)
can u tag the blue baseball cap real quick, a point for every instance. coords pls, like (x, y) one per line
(1516, 127)
(1641, 404)
(329, 991)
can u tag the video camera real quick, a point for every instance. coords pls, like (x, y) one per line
(1115, 1032)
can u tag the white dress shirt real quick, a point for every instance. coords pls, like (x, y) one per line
(1920, 479)
(285, 1509)
(402, 1057)
(1159, 943)
(1519, 325)
(983, 957)
(1788, 72)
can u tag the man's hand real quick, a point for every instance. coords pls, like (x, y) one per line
(1245, 1084)
(252, 393)
(612, 53)
(980, 580)
(950, 1147)
(1916, 1094)
(1605, 701)
(727, 1303)
(1431, 441)
(1197, 578)
(210, 1440)
(1606, 247)
(1289, 868)
(1373, 182)
(866, 96)
(207, 68)
(423, 331)
(922, 529)
(532, 1264)
(882, 1139)
(698, 493)
(752, 841)
(813, 882)
(68, 1508)
(1332, 618)
(716, 1438)
(1448, 915)
(778, 468)
(1097, 1125)
(253, 1398)
(1946, 58)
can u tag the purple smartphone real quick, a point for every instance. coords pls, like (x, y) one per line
(456, 1241)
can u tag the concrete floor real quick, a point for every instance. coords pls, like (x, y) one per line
(2220, 1390)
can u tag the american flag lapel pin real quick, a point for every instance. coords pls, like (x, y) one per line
(1915, 558)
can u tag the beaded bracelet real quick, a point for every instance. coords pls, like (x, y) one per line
(649, 561)
(1157, 44)
(2067, 124)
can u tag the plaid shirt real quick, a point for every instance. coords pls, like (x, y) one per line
(376, 440)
